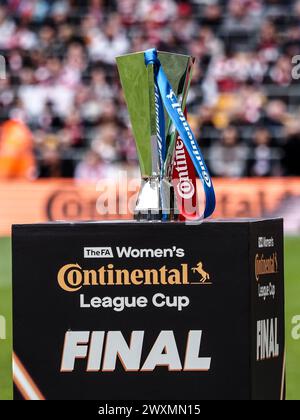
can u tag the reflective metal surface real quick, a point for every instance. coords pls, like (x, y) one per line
(156, 196)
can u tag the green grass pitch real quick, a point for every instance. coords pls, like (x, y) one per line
(292, 271)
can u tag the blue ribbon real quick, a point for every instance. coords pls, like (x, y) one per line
(176, 114)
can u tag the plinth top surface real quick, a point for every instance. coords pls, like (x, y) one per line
(154, 223)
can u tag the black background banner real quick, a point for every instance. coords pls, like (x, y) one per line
(223, 304)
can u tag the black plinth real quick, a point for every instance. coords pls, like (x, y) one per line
(149, 311)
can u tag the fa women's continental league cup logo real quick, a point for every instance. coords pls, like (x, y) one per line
(265, 265)
(73, 277)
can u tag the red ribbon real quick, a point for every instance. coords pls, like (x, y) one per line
(184, 182)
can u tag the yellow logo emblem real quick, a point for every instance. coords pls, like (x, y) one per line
(204, 276)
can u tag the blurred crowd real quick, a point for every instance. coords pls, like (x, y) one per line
(61, 108)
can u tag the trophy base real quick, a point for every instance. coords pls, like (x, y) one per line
(150, 311)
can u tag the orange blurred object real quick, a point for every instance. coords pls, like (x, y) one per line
(16, 151)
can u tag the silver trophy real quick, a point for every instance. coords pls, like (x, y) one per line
(156, 200)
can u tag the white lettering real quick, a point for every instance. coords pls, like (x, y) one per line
(164, 352)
